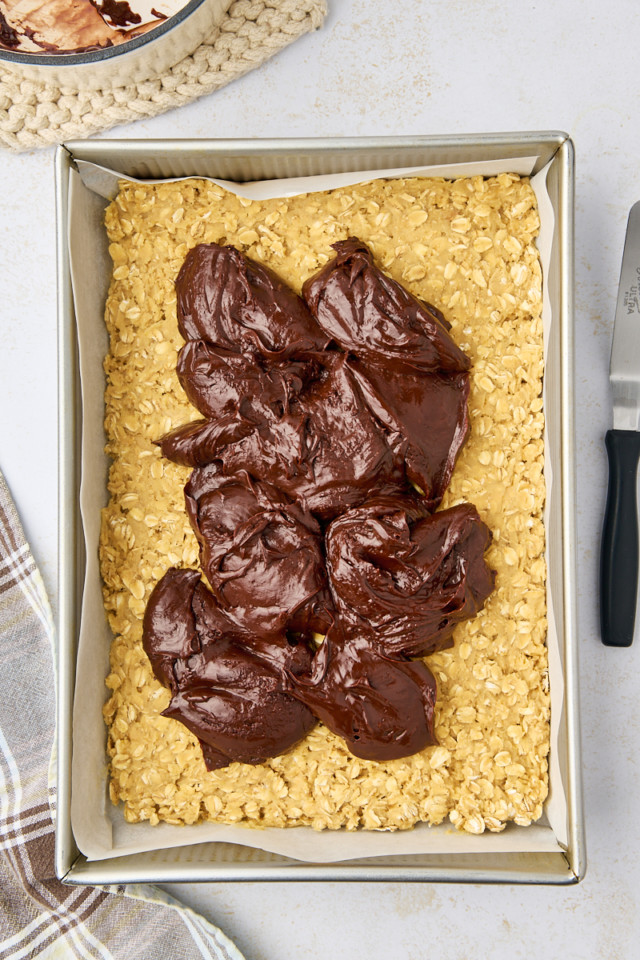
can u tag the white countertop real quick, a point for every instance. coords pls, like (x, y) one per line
(438, 67)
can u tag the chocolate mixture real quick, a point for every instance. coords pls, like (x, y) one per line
(62, 27)
(322, 416)
(227, 687)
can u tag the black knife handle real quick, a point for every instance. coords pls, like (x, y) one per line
(619, 551)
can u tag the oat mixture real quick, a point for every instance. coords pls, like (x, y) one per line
(467, 247)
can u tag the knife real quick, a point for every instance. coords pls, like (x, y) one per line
(619, 550)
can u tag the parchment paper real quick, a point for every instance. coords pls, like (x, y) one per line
(99, 828)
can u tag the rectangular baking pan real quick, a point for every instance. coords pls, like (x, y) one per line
(243, 160)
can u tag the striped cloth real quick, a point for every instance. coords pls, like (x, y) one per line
(39, 916)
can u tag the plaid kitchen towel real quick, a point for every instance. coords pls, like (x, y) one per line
(39, 916)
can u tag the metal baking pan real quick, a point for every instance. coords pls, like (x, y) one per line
(243, 160)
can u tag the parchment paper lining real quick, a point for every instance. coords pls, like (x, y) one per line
(99, 828)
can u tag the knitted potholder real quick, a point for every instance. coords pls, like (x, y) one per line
(38, 114)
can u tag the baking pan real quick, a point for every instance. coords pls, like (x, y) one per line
(243, 160)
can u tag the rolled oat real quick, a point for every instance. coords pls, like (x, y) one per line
(467, 246)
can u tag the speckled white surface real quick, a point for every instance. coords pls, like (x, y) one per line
(383, 67)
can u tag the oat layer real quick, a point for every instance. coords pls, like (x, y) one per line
(466, 246)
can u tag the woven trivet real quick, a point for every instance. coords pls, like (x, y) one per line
(38, 114)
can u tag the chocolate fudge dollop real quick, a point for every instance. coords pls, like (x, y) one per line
(227, 687)
(405, 578)
(221, 384)
(326, 450)
(262, 554)
(429, 414)
(412, 374)
(317, 422)
(371, 315)
(241, 306)
(382, 708)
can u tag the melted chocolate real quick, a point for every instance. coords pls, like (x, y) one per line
(236, 304)
(413, 376)
(322, 446)
(371, 315)
(429, 414)
(335, 427)
(382, 708)
(227, 686)
(326, 450)
(118, 12)
(59, 27)
(219, 383)
(198, 443)
(404, 579)
(8, 36)
(262, 554)
(300, 502)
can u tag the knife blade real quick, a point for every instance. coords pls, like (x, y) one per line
(619, 548)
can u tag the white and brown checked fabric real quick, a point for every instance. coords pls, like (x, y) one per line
(39, 916)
